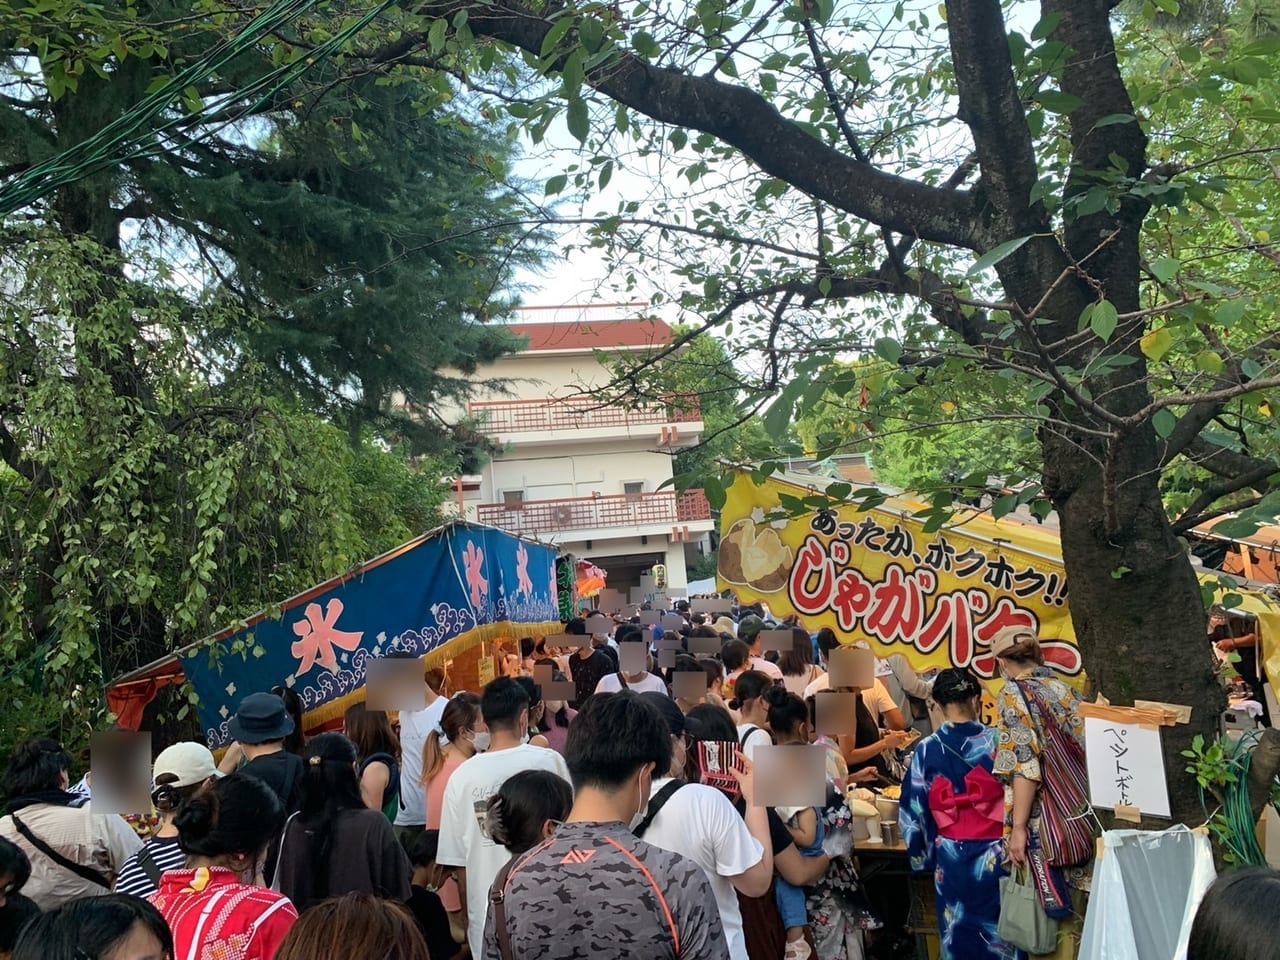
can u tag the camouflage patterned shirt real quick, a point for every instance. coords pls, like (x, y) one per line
(596, 891)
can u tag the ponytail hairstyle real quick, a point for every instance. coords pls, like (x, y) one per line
(460, 713)
(786, 711)
(750, 685)
(330, 788)
(237, 815)
(167, 797)
(523, 804)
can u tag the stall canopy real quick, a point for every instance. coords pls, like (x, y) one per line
(938, 596)
(435, 596)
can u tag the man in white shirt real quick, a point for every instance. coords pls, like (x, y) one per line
(749, 628)
(641, 682)
(415, 726)
(504, 705)
(701, 823)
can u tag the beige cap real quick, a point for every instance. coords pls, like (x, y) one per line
(1010, 637)
(725, 625)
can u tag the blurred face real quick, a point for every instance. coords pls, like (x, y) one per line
(138, 944)
(6, 888)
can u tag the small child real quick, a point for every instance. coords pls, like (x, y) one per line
(424, 902)
(806, 828)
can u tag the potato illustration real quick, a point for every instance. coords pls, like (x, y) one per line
(754, 557)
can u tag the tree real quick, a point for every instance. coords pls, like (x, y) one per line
(219, 350)
(371, 227)
(130, 528)
(864, 155)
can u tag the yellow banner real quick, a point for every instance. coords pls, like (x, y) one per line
(876, 575)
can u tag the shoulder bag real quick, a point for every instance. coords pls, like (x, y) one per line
(1066, 829)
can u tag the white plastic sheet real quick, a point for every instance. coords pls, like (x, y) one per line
(1146, 889)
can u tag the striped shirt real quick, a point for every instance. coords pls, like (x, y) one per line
(165, 854)
(213, 916)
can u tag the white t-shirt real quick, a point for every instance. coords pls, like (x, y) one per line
(875, 697)
(462, 841)
(415, 725)
(772, 670)
(758, 737)
(700, 823)
(610, 683)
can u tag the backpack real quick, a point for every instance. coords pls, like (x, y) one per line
(390, 793)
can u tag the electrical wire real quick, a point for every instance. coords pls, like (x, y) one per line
(136, 133)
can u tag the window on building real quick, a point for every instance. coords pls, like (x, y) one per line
(513, 499)
(633, 488)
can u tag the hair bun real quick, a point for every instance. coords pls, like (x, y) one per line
(198, 817)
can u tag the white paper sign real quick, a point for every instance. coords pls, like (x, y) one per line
(1125, 766)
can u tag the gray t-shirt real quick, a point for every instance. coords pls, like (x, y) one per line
(595, 890)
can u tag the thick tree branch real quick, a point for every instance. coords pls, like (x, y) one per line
(743, 119)
(1226, 463)
(1193, 514)
(990, 107)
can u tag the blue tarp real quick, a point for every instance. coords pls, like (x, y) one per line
(455, 586)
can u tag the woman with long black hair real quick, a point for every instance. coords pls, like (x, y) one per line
(335, 844)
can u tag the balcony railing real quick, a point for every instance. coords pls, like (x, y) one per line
(520, 416)
(665, 508)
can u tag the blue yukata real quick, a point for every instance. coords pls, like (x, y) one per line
(952, 818)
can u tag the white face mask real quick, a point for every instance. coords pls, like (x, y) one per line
(524, 737)
(643, 802)
(480, 741)
(554, 706)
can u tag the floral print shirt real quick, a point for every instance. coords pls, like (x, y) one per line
(1018, 742)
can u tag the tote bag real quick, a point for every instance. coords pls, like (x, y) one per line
(1023, 922)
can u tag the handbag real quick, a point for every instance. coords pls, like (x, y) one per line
(1066, 831)
(1023, 922)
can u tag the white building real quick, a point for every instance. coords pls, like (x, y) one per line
(580, 473)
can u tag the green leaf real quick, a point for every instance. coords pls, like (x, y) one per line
(1055, 101)
(556, 184)
(1119, 572)
(715, 493)
(1229, 312)
(888, 349)
(995, 255)
(1164, 421)
(1102, 321)
(591, 32)
(576, 119)
(1165, 269)
(1112, 119)
(1209, 362)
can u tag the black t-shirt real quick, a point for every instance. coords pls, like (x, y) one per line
(433, 921)
(283, 773)
(612, 654)
(587, 673)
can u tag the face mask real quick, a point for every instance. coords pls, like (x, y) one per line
(680, 757)
(643, 806)
(480, 741)
(524, 738)
(554, 706)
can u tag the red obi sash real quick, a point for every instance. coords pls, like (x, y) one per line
(976, 814)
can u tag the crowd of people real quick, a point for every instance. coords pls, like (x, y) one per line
(626, 822)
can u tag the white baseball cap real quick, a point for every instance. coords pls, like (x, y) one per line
(190, 762)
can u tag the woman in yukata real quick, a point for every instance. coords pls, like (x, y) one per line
(952, 817)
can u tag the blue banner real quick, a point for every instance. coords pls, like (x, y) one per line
(449, 586)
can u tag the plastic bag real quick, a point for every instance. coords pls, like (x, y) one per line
(1147, 887)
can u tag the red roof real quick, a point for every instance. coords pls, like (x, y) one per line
(594, 334)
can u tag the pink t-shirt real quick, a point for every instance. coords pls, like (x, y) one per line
(435, 805)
